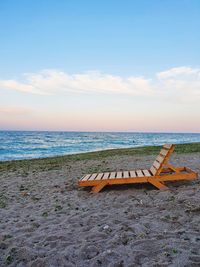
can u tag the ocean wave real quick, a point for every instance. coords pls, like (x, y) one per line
(26, 145)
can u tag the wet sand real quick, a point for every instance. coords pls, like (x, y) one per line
(46, 220)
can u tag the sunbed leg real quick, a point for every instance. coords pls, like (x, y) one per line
(97, 188)
(157, 184)
(172, 167)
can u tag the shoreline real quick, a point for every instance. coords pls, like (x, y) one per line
(142, 150)
(21, 146)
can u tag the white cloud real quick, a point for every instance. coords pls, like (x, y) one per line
(183, 71)
(55, 82)
(182, 83)
(19, 86)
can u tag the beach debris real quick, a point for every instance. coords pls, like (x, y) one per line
(24, 191)
(166, 253)
(25, 194)
(174, 250)
(106, 227)
(108, 251)
(8, 259)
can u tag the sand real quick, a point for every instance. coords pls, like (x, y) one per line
(45, 220)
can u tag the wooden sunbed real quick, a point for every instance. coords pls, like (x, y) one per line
(160, 172)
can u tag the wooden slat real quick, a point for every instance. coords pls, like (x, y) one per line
(112, 175)
(115, 181)
(157, 181)
(105, 176)
(153, 170)
(99, 176)
(139, 173)
(167, 146)
(160, 158)
(93, 176)
(132, 174)
(119, 175)
(146, 173)
(125, 174)
(163, 152)
(85, 178)
(156, 164)
(166, 154)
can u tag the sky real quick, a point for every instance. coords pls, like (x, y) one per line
(117, 65)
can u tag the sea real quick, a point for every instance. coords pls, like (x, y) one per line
(16, 145)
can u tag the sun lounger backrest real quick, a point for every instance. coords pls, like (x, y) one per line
(162, 159)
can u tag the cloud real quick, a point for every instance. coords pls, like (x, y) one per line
(50, 82)
(182, 83)
(179, 72)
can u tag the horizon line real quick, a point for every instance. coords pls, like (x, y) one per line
(81, 131)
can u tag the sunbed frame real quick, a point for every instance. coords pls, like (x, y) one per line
(160, 172)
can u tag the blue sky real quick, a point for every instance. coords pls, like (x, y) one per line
(114, 36)
(108, 39)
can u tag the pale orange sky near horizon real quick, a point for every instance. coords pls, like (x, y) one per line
(149, 111)
(53, 100)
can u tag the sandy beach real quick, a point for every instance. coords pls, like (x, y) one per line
(46, 220)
